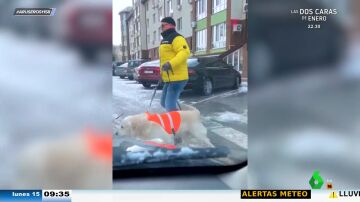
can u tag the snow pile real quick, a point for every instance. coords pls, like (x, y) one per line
(187, 151)
(138, 156)
(229, 117)
(243, 88)
(135, 154)
(135, 148)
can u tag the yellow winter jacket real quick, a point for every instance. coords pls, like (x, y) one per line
(174, 49)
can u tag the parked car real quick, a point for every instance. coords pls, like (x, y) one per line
(121, 70)
(148, 73)
(205, 74)
(132, 65)
(114, 65)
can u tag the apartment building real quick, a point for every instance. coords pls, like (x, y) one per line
(117, 53)
(125, 52)
(218, 28)
(211, 27)
(136, 28)
(155, 10)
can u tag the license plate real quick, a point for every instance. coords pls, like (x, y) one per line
(148, 72)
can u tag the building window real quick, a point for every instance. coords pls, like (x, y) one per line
(159, 14)
(201, 40)
(147, 22)
(201, 9)
(179, 2)
(170, 9)
(219, 35)
(154, 37)
(147, 6)
(218, 5)
(154, 17)
(179, 24)
(148, 38)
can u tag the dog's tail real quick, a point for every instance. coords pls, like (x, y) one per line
(185, 107)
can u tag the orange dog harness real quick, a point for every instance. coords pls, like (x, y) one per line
(169, 121)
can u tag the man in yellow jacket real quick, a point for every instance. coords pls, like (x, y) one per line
(174, 52)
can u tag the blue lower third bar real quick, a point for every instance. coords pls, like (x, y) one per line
(20, 195)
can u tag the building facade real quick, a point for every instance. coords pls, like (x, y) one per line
(219, 27)
(117, 53)
(136, 28)
(211, 27)
(124, 33)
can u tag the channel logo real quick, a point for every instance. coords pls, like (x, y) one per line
(316, 181)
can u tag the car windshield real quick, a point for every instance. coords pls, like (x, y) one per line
(217, 138)
(135, 63)
(124, 65)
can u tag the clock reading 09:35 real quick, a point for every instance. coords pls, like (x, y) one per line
(57, 193)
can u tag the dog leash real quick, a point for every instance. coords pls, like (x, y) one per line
(153, 95)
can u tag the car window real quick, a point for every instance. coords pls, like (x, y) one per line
(193, 62)
(124, 65)
(218, 63)
(134, 63)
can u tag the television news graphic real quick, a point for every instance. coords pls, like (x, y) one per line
(35, 195)
(275, 194)
(34, 11)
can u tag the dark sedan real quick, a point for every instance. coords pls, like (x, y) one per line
(205, 74)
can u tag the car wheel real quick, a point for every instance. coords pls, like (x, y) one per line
(146, 85)
(130, 78)
(122, 77)
(207, 87)
(237, 83)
